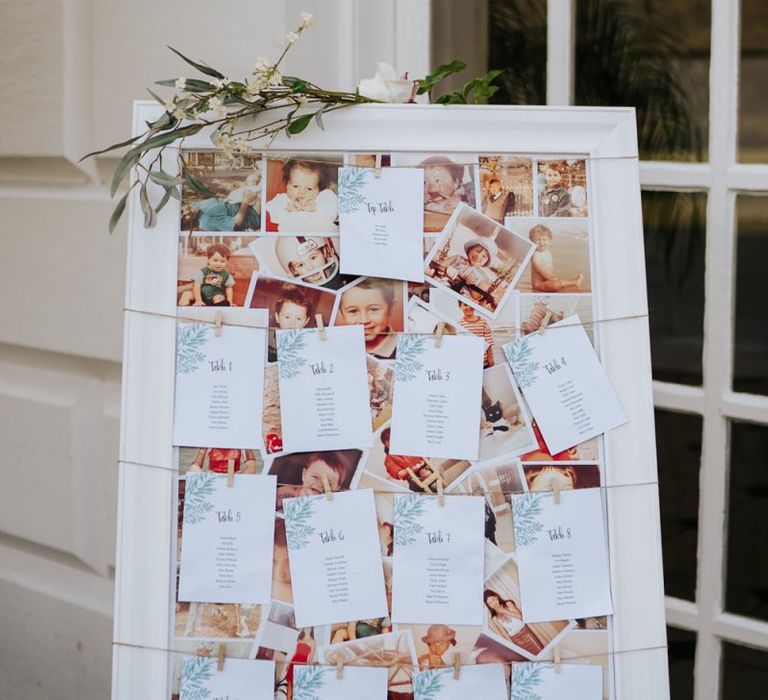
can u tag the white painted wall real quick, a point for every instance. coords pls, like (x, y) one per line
(69, 70)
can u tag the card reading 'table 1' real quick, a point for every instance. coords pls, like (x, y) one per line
(564, 384)
(436, 396)
(334, 555)
(562, 555)
(381, 216)
(324, 399)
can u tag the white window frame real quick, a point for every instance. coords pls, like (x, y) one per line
(144, 589)
(722, 178)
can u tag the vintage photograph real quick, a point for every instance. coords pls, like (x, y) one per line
(381, 382)
(449, 180)
(380, 650)
(214, 270)
(505, 426)
(541, 477)
(271, 424)
(301, 193)
(301, 473)
(504, 619)
(534, 307)
(280, 640)
(506, 186)
(281, 570)
(367, 160)
(227, 192)
(310, 259)
(478, 260)
(290, 305)
(560, 262)
(422, 318)
(216, 459)
(561, 186)
(583, 452)
(377, 304)
(437, 645)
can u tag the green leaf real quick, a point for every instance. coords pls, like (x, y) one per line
(319, 116)
(196, 185)
(298, 125)
(439, 74)
(157, 98)
(118, 212)
(165, 199)
(164, 179)
(190, 84)
(146, 207)
(478, 89)
(298, 85)
(113, 147)
(123, 167)
(202, 67)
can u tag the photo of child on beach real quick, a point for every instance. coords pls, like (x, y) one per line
(478, 260)
(228, 196)
(301, 194)
(562, 188)
(506, 184)
(560, 262)
(214, 270)
(377, 305)
(449, 180)
(534, 308)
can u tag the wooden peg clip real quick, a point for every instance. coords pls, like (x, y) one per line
(230, 473)
(326, 487)
(557, 658)
(555, 486)
(320, 326)
(440, 492)
(439, 334)
(220, 662)
(217, 324)
(457, 667)
(377, 166)
(339, 666)
(545, 322)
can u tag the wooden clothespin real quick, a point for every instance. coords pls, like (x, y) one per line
(339, 666)
(320, 326)
(555, 486)
(217, 323)
(439, 334)
(457, 667)
(557, 658)
(220, 662)
(230, 473)
(326, 487)
(377, 166)
(545, 322)
(440, 492)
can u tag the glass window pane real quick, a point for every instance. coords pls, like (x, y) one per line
(681, 652)
(674, 260)
(746, 590)
(750, 369)
(745, 673)
(652, 55)
(678, 446)
(753, 97)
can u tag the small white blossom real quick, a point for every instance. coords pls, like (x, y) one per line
(221, 82)
(170, 105)
(275, 79)
(181, 83)
(385, 86)
(179, 114)
(217, 106)
(291, 37)
(307, 20)
(262, 64)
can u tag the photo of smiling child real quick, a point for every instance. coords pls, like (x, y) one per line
(478, 260)
(212, 284)
(301, 194)
(377, 305)
(562, 188)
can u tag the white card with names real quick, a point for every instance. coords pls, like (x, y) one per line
(356, 683)
(562, 555)
(335, 558)
(545, 682)
(219, 384)
(227, 538)
(381, 219)
(437, 570)
(324, 399)
(485, 681)
(240, 679)
(437, 396)
(564, 384)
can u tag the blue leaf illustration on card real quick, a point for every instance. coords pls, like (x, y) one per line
(428, 684)
(308, 680)
(298, 512)
(518, 354)
(199, 487)
(190, 338)
(525, 510)
(409, 348)
(196, 671)
(525, 679)
(408, 511)
(351, 182)
(290, 361)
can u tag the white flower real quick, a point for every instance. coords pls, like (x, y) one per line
(179, 114)
(181, 83)
(307, 20)
(291, 37)
(170, 105)
(221, 82)
(385, 86)
(217, 106)
(262, 64)
(275, 79)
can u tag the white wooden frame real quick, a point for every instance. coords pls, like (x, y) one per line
(146, 510)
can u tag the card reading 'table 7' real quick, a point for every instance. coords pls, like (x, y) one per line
(437, 396)
(324, 399)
